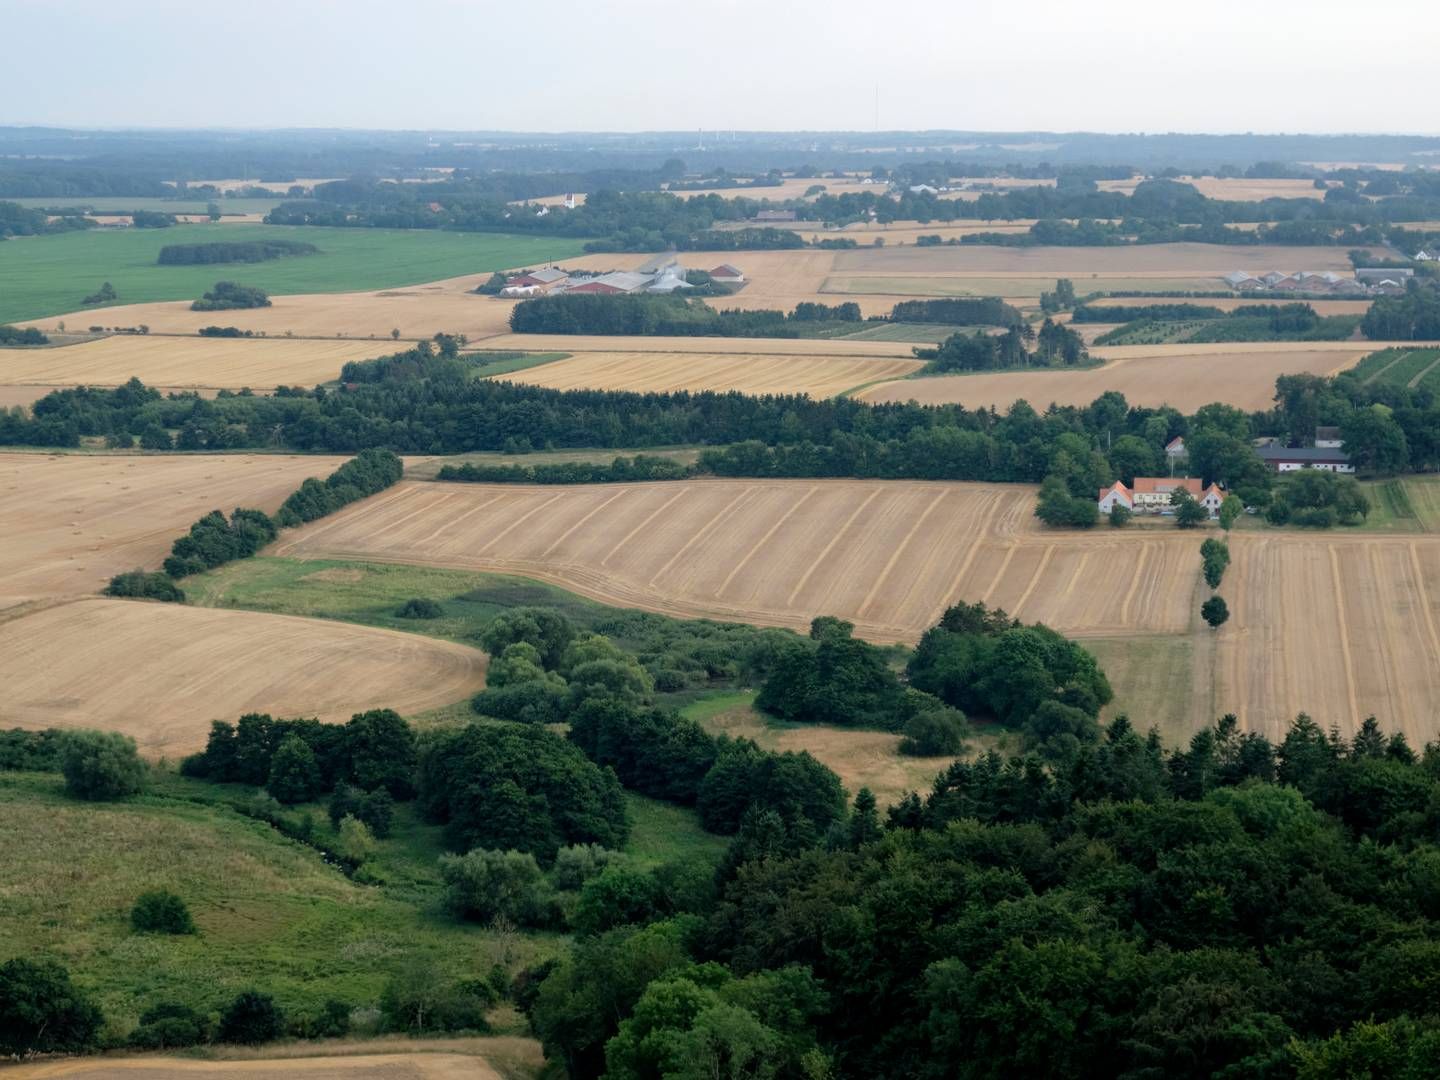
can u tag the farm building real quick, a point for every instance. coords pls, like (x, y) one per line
(670, 278)
(1308, 282)
(1175, 448)
(540, 280)
(1151, 494)
(620, 281)
(1374, 275)
(1328, 438)
(727, 275)
(769, 216)
(1290, 458)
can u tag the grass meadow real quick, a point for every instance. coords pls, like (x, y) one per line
(49, 275)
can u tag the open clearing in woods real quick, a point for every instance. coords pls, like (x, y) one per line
(226, 363)
(418, 1065)
(1341, 625)
(72, 521)
(1185, 376)
(818, 376)
(160, 672)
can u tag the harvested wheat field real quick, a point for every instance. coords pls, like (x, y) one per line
(889, 556)
(72, 521)
(159, 672)
(730, 346)
(818, 376)
(1341, 627)
(412, 1065)
(1185, 376)
(187, 362)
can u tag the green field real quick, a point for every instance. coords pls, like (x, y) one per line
(48, 275)
(1403, 504)
(271, 912)
(1400, 367)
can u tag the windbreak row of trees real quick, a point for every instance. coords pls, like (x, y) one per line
(231, 252)
(666, 316)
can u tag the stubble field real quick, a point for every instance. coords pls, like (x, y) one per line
(818, 376)
(178, 362)
(1340, 625)
(74, 520)
(160, 672)
(1185, 376)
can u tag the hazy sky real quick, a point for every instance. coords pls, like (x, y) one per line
(627, 65)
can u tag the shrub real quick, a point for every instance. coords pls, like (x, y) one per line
(229, 296)
(147, 586)
(1215, 611)
(374, 809)
(169, 1024)
(101, 765)
(935, 732)
(250, 1019)
(417, 999)
(355, 844)
(419, 608)
(41, 1011)
(161, 912)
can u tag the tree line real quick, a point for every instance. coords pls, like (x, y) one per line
(231, 252)
(667, 316)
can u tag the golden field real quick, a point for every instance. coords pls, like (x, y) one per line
(72, 521)
(818, 376)
(1184, 376)
(160, 672)
(187, 362)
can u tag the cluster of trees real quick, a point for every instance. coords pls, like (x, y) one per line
(367, 473)
(666, 316)
(238, 251)
(1056, 344)
(151, 219)
(297, 761)
(104, 295)
(14, 335)
(17, 220)
(1412, 317)
(958, 311)
(1214, 558)
(141, 584)
(1318, 499)
(224, 332)
(637, 468)
(231, 296)
(1233, 907)
(215, 540)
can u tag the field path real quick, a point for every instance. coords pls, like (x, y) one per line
(1419, 377)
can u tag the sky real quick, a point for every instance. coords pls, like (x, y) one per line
(781, 65)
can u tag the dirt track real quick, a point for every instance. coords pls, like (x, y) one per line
(161, 672)
(403, 1066)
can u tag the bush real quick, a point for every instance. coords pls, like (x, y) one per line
(419, 608)
(374, 809)
(935, 732)
(161, 912)
(485, 884)
(14, 335)
(169, 1024)
(147, 586)
(355, 843)
(228, 296)
(250, 1019)
(31, 751)
(101, 765)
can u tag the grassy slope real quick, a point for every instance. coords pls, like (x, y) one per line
(1403, 504)
(48, 275)
(271, 913)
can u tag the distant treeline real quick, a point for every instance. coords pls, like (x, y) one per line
(979, 311)
(1055, 345)
(250, 251)
(665, 316)
(639, 467)
(17, 220)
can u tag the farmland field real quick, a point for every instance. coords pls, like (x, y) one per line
(818, 376)
(888, 555)
(382, 1062)
(186, 362)
(74, 520)
(1231, 303)
(1185, 376)
(48, 275)
(1138, 260)
(891, 556)
(1402, 366)
(1235, 189)
(160, 672)
(1025, 288)
(103, 205)
(737, 346)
